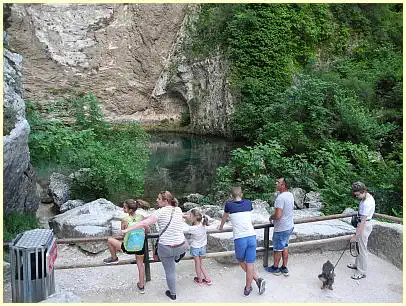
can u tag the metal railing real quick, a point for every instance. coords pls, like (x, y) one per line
(265, 249)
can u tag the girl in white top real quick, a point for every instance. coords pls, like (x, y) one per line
(198, 242)
(364, 228)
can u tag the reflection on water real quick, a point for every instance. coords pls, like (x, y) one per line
(184, 164)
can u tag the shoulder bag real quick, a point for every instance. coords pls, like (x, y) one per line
(155, 247)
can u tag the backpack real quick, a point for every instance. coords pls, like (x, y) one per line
(134, 240)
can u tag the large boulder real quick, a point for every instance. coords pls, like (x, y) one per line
(299, 196)
(260, 213)
(92, 219)
(312, 200)
(212, 211)
(348, 210)
(59, 188)
(189, 205)
(194, 197)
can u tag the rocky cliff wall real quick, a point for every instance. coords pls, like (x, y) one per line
(201, 83)
(116, 51)
(19, 179)
(124, 54)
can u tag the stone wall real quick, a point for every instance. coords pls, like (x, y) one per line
(386, 241)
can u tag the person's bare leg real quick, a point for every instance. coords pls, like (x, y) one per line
(285, 255)
(276, 258)
(141, 269)
(243, 265)
(204, 272)
(113, 245)
(198, 269)
(249, 276)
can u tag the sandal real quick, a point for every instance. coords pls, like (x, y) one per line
(352, 266)
(358, 276)
(207, 282)
(196, 280)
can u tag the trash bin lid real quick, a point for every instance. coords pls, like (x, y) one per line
(34, 238)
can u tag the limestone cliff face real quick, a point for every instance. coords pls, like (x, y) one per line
(116, 51)
(19, 179)
(124, 54)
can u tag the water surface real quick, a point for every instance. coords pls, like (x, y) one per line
(184, 163)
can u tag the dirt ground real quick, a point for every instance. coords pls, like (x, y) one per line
(384, 283)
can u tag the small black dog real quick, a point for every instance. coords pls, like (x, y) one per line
(327, 275)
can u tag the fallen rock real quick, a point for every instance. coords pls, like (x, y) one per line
(212, 211)
(260, 213)
(194, 197)
(299, 196)
(189, 205)
(348, 210)
(96, 213)
(312, 200)
(59, 188)
(70, 204)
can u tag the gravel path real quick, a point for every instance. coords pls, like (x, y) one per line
(117, 283)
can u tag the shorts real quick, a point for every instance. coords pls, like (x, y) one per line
(198, 251)
(246, 249)
(138, 253)
(280, 240)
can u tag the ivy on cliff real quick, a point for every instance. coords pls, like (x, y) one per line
(313, 78)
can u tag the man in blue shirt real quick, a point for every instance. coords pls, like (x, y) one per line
(245, 242)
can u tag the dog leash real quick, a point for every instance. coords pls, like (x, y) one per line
(351, 249)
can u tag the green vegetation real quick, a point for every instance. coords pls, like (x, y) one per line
(320, 89)
(115, 156)
(15, 223)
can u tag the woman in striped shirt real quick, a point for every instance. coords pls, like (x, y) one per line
(172, 243)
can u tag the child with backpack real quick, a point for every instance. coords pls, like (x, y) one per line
(198, 242)
(133, 242)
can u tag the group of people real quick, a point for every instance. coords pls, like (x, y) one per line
(172, 244)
